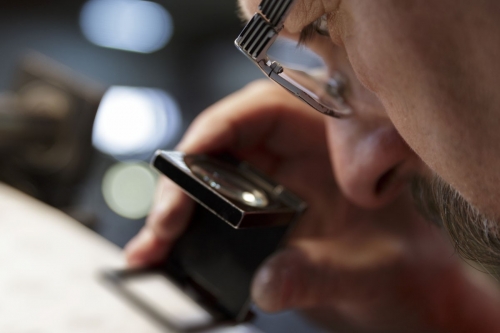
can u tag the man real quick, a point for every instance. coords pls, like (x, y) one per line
(424, 80)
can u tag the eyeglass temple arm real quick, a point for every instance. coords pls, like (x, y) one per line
(264, 27)
(258, 36)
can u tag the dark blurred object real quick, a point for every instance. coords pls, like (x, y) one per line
(243, 216)
(46, 129)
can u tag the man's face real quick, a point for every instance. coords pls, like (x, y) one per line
(426, 75)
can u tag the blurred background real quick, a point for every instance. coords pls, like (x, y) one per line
(90, 89)
(144, 69)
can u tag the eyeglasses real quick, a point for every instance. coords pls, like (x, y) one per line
(311, 80)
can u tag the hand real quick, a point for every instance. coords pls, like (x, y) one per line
(381, 270)
(262, 124)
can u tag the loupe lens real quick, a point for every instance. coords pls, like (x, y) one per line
(229, 182)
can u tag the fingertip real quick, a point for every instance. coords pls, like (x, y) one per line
(135, 262)
(145, 249)
(134, 250)
(186, 143)
(277, 283)
(266, 292)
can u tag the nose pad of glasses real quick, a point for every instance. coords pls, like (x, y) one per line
(334, 90)
(336, 87)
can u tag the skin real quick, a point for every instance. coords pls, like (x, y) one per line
(424, 78)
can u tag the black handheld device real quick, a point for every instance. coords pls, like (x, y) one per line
(241, 218)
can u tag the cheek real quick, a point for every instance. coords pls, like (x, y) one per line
(426, 87)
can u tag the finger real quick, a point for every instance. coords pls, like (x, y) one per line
(255, 115)
(325, 273)
(168, 218)
(261, 115)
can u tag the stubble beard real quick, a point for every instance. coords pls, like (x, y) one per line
(474, 235)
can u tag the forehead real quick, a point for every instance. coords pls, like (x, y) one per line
(303, 12)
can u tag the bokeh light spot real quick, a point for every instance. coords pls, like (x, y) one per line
(130, 25)
(128, 189)
(134, 122)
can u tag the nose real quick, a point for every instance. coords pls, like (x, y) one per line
(371, 162)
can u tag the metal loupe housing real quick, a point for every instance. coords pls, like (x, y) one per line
(232, 190)
(242, 217)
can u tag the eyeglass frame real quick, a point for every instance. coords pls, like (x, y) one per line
(259, 35)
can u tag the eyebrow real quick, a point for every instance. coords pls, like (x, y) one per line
(240, 12)
(306, 34)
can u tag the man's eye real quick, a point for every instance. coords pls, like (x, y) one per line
(320, 27)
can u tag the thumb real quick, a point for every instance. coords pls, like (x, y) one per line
(290, 280)
(319, 273)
